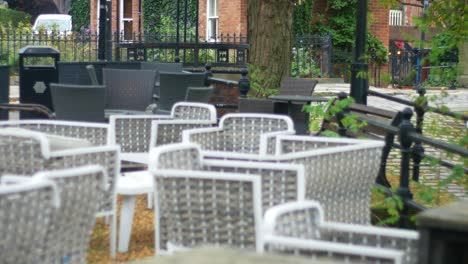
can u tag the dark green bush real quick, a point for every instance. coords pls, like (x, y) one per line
(13, 17)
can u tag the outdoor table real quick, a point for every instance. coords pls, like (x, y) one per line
(284, 104)
(109, 112)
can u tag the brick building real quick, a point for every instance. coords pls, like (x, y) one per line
(224, 17)
(126, 16)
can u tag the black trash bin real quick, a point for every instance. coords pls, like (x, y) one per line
(4, 89)
(37, 69)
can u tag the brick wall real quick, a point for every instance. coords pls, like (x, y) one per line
(115, 16)
(232, 17)
(380, 27)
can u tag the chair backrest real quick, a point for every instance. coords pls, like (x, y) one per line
(162, 66)
(29, 152)
(96, 134)
(198, 94)
(169, 157)
(132, 132)
(193, 111)
(281, 183)
(245, 130)
(339, 173)
(129, 89)
(297, 86)
(255, 105)
(196, 208)
(72, 73)
(26, 210)
(70, 228)
(78, 102)
(92, 74)
(173, 87)
(300, 227)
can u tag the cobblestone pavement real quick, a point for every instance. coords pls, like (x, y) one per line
(456, 100)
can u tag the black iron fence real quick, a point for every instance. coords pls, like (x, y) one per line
(312, 55)
(223, 50)
(72, 46)
(412, 145)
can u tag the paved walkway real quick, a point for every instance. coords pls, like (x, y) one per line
(456, 100)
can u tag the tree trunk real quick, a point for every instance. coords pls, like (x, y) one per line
(270, 31)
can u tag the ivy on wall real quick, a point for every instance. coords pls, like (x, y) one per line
(160, 16)
(79, 10)
(302, 18)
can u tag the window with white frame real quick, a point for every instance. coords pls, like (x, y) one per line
(212, 20)
(126, 19)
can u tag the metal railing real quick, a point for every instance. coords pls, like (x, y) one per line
(410, 141)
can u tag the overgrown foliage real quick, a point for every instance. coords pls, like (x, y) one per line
(449, 18)
(13, 18)
(302, 18)
(160, 16)
(79, 10)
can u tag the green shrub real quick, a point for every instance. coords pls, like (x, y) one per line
(13, 17)
(79, 10)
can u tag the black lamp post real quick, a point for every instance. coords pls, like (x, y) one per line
(360, 84)
(105, 34)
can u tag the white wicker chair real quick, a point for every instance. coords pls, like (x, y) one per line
(195, 208)
(299, 228)
(70, 228)
(27, 152)
(135, 133)
(339, 173)
(241, 133)
(279, 182)
(25, 213)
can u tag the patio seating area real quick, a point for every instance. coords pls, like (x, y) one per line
(147, 140)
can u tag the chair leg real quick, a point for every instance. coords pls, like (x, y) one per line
(149, 199)
(113, 235)
(126, 220)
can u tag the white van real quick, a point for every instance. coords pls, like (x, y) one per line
(62, 23)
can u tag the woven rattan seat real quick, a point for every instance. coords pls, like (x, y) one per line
(128, 89)
(78, 102)
(299, 228)
(297, 86)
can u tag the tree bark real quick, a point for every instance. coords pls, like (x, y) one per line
(270, 32)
